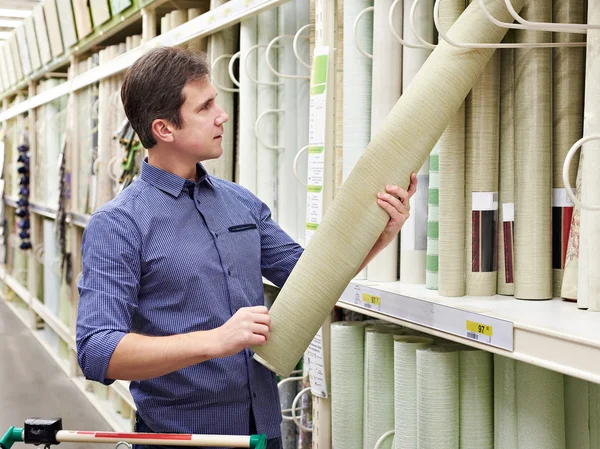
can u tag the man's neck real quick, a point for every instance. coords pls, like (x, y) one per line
(183, 169)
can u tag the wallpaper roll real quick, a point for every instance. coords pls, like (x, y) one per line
(533, 159)
(385, 91)
(433, 228)
(356, 84)
(267, 99)
(41, 32)
(413, 245)
(51, 278)
(594, 410)
(588, 283)
(53, 25)
(247, 143)
(540, 408)
(452, 228)
(437, 398)
(302, 105)
(400, 147)
(570, 274)
(405, 389)
(378, 414)
(105, 130)
(577, 413)
(347, 384)
(568, 67)
(505, 403)
(476, 370)
(224, 42)
(506, 186)
(199, 43)
(287, 185)
(339, 105)
(481, 181)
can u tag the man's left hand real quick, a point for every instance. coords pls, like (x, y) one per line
(396, 202)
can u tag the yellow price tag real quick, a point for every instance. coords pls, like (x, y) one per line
(227, 12)
(211, 19)
(479, 328)
(371, 299)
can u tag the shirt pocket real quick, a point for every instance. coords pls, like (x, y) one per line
(243, 242)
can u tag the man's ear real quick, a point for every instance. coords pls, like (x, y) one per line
(163, 130)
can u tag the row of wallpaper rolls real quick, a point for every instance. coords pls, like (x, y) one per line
(491, 214)
(433, 393)
(49, 33)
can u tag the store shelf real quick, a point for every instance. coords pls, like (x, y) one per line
(551, 334)
(45, 211)
(204, 25)
(105, 408)
(121, 387)
(12, 202)
(80, 220)
(20, 290)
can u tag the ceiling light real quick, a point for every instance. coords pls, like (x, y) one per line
(7, 23)
(19, 13)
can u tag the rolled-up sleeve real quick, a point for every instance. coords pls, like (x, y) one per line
(279, 252)
(108, 290)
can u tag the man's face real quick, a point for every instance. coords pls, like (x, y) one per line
(201, 132)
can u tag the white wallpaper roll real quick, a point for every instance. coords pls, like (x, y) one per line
(540, 408)
(224, 42)
(505, 403)
(356, 83)
(347, 384)
(378, 415)
(577, 413)
(438, 398)
(405, 389)
(588, 284)
(287, 185)
(267, 100)
(199, 43)
(476, 399)
(51, 279)
(385, 91)
(247, 143)
(413, 246)
(302, 104)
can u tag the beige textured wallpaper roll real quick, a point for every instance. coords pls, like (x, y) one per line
(569, 283)
(451, 258)
(481, 181)
(506, 184)
(540, 408)
(567, 105)
(533, 159)
(399, 148)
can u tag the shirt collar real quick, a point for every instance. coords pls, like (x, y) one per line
(169, 182)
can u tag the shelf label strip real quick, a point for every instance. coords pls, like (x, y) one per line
(473, 326)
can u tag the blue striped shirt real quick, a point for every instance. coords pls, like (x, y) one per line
(170, 256)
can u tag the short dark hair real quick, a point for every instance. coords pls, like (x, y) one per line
(153, 87)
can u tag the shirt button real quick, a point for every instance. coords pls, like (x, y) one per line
(198, 201)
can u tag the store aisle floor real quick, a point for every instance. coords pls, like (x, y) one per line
(31, 384)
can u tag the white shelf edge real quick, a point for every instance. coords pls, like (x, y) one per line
(204, 25)
(12, 202)
(16, 286)
(104, 407)
(555, 351)
(48, 212)
(54, 322)
(80, 220)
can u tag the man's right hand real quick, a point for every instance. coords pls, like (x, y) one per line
(249, 326)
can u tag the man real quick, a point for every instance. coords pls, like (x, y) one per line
(171, 295)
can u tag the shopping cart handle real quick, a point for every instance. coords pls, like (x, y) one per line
(14, 435)
(258, 442)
